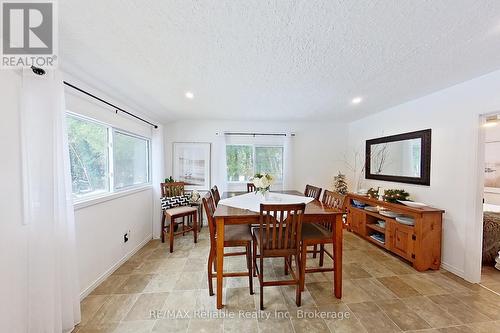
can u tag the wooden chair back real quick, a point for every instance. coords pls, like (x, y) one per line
(215, 195)
(333, 200)
(312, 192)
(250, 187)
(209, 205)
(280, 229)
(172, 189)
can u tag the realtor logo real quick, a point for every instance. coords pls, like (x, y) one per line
(28, 34)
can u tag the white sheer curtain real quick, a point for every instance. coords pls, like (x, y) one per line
(158, 161)
(53, 290)
(287, 162)
(220, 162)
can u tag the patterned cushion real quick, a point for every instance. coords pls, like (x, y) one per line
(171, 202)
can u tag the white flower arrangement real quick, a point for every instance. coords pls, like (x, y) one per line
(262, 182)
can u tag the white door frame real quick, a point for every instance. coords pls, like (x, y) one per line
(474, 230)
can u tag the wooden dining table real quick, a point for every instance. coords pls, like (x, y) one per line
(315, 212)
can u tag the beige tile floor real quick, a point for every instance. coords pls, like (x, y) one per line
(490, 278)
(381, 294)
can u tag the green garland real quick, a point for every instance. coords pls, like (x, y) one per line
(395, 195)
(373, 193)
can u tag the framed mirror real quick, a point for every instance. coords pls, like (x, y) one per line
(403, 158)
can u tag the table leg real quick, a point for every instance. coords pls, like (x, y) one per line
(337, 256)
(220, 259)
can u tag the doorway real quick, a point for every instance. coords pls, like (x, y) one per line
(490, 270)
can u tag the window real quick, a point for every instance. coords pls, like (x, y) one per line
(104, 159)
(130, 160)
(243, 161)
(239, 159)
(88, 151)
(270, 160)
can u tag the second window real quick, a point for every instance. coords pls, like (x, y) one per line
(244, 161)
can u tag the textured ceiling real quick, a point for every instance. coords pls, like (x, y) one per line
(276, 60)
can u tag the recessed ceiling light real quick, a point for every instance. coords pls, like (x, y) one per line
(356, 100)
(189, 95)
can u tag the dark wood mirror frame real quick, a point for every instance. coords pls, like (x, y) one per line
(425, 161)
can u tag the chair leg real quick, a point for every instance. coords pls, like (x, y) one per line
(162, 227)
(321, 254)
(254, 257)
(200, 220)
(209, 269)
(298, 290)
(261, 282)
(286, 265)
(315, 250)
(215, 260)
(171, 235)
(183, 225)
(249, 267)
(195, 226)
(302, 269)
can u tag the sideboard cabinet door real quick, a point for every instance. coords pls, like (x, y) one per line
(401, 240)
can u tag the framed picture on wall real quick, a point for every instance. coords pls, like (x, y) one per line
(191, 164)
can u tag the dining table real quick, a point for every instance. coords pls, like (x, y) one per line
(315, 212)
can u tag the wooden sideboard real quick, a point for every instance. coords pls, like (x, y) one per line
(419, 244)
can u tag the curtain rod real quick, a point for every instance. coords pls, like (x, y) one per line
(40, 71)
(257, 134)
(107, 103)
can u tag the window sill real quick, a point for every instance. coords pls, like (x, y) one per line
(109, 196)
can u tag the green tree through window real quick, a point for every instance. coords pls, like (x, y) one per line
(93, 150)
(88, 149)
(243, 161)
(239, 163)
(269, 160)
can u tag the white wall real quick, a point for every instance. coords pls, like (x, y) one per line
(99, 228)
(99, 233)
(453, 116)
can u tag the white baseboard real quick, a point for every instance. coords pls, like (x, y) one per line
(453, 270)
(113, 268)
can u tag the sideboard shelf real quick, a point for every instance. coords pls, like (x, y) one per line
(419, 244)
(376, 228)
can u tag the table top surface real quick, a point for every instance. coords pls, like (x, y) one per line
(315, 207)
(395, 206)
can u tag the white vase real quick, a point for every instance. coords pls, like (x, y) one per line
(263, 196)
(266, 196)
